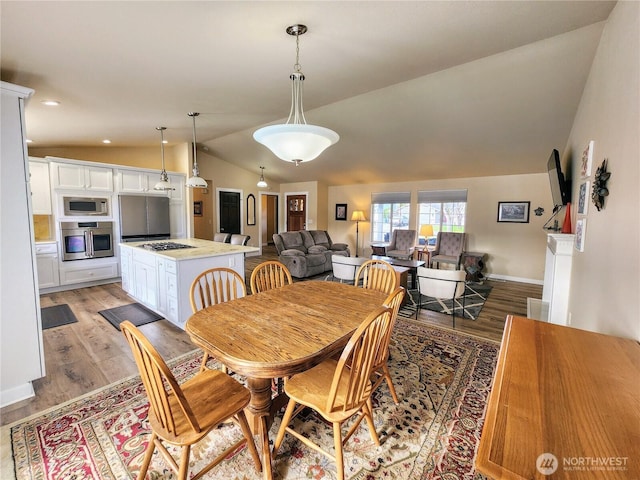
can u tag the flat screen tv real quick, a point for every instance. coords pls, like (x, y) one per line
(560, 188)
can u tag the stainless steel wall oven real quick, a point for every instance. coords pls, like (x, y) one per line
(85, 240)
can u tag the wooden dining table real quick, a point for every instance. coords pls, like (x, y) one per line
(278, 333)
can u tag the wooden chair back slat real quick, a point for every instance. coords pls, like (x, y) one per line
(377, 275)
(166, 398)
(269, 275)
(214, 286)
(357, 361)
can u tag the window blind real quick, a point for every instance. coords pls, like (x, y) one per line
(390, 197)
(444, 196)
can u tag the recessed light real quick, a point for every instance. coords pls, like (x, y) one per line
(165, 141)
(106, 140)
(50, 103)
(28, 140)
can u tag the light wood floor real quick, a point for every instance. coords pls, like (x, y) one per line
(90, 354)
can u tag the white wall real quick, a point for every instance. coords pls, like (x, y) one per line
(605, 286)
(515, 251)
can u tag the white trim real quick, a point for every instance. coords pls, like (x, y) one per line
(509, 278)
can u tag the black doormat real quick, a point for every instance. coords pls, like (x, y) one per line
(134, 312)
(57, 315)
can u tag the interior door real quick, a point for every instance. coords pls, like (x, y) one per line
(296, 212)
(229, 212)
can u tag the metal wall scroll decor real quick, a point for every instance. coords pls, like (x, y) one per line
(600, 189)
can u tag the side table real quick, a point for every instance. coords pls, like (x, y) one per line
(473, 263)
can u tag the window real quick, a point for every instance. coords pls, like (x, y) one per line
(444, 210)
(389, 211)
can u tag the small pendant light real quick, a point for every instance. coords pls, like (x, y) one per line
(163, 184)
(196, 181)
(261, 183)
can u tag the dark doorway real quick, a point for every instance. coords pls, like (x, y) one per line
(229, 212)
(296, 212)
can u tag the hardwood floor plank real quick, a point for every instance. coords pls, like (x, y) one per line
(90, 354)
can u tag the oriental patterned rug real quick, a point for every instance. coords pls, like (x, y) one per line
(442, 378)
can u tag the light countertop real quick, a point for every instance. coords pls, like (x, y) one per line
(203, 248)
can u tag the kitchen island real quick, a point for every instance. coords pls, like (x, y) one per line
(158, 274)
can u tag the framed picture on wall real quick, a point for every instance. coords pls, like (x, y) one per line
(341, 211)
(581, 228)
(513, 212)
(587, 159)
(583, 199)
(197, 209)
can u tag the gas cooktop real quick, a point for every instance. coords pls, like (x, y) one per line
(160, 246)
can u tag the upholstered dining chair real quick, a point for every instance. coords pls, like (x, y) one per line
(449, 249)
(345, 268)
(222, 237)
(441, 284)
(381, 361)
(182, 415)
(377, 275)
(237, 239)
(339, 388)
(268, 275)
(402, 244)
(213, 286)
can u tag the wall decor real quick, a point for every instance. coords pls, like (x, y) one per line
(581, 226)
(600, 189)
(341, 211)
(197, 209)
(583, 203)
(251, 209)
(587, 157)
(513, 212)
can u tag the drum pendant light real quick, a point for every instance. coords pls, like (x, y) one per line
(195, 181)
(296, 141)
(163, 184)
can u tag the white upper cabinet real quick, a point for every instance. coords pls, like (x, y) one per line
(132, 181)
(69, 176)
(178, 182)
(40, 187)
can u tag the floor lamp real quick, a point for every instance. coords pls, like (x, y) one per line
(357, 216)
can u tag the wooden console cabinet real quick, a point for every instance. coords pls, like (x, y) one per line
(565, 404)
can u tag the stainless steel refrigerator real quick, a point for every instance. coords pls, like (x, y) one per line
(144, 218)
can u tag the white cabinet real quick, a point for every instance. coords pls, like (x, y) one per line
(168, 288)
(126, 268)
(40, 187)
(47, 264)
(71, 176)
(178, 183)
(21, 346)
(145, 286)
(91, 272)
(134, 181)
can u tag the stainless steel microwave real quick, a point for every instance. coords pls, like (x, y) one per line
(80, 206)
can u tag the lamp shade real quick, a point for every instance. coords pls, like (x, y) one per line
(358, 216)
(426, 231)
(296, 142)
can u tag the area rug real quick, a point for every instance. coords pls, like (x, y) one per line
(56, 316)
(442, 377)
(475, 295)
(134, 312)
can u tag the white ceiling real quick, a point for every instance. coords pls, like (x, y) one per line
(416, 90)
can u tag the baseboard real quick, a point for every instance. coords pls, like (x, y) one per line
(15, 394)
(508, 278)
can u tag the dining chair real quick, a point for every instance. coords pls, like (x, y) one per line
(182, 415)
(377, 275)
(237, 239)
(221, 237)
(213, 286)
(268, 275)
(381, 362)
(338, 389)
(441, 285)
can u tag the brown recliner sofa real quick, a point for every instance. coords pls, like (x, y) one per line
(308, 252)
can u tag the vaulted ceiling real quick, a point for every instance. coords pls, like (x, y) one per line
(416, 89)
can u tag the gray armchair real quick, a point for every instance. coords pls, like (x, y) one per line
(449, 249)
(402, 244)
